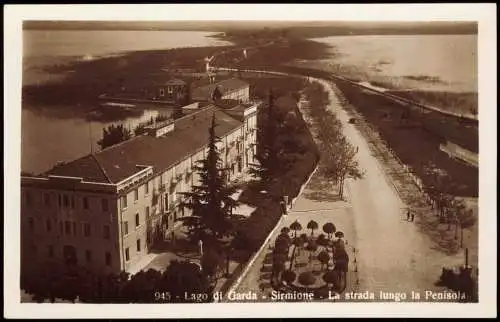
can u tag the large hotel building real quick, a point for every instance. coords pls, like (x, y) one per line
(105, 210)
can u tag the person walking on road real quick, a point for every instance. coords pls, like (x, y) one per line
(408, 214)
(412, 216)
(283, 208)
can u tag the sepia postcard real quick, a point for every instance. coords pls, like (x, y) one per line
(280, 160)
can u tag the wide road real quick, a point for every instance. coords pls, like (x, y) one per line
(393, 255)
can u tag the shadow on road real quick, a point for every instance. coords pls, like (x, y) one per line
(179, 247)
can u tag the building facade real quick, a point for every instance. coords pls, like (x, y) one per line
(230, 89)
(173, 92)
(105, 211)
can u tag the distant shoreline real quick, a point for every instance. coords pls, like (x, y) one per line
(144, 66)
(307, 29)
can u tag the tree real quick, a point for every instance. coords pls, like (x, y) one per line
(289, 276)
(178, 113)
(329, 229)
(285, 237)
(113, 135)
(187, 95)
(212, 206)
(216, 95)
(298, 243)
(330, 277)
(285, 230)
(439, 190)
(295, 226)
(313, 226)
(141, 287)
(267, 153)
(322, 241)
(473, 110)
(464, 218)
(181, 278)
(211, 263)
(307, 279)
(341, 259)
(338, 153)
(324, 258)
(311, 247)
(140, 129)
(348, 166)
(278, 264)
(282, 244)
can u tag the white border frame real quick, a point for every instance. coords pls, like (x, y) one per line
(484, 14)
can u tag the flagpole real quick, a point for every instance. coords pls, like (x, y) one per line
(90, 138)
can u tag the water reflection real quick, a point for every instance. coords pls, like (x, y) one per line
(47, 139)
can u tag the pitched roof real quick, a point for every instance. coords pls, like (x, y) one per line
(86, 167)
(120, 161)
(225, 86)
(175, 81)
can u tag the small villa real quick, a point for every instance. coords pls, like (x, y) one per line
(171, 92)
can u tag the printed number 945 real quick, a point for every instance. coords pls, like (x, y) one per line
(162, 296)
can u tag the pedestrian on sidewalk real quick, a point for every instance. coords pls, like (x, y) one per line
(408, 214)
(413, 217)
(283, 208)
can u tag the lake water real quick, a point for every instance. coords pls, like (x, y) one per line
(440, 62)
(48, 138)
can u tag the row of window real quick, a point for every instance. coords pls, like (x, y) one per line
(88, 255)
(69, 228)
(137, 222)
(170, 90)
(124, 198)
(65, 201)
(137, 248)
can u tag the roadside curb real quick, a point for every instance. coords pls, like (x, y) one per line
(266, 241)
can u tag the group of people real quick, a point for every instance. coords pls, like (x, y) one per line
(410, 216)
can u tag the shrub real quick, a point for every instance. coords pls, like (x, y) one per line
(307, 279)
(289, 276)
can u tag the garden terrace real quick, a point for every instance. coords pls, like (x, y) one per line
(300, 261)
